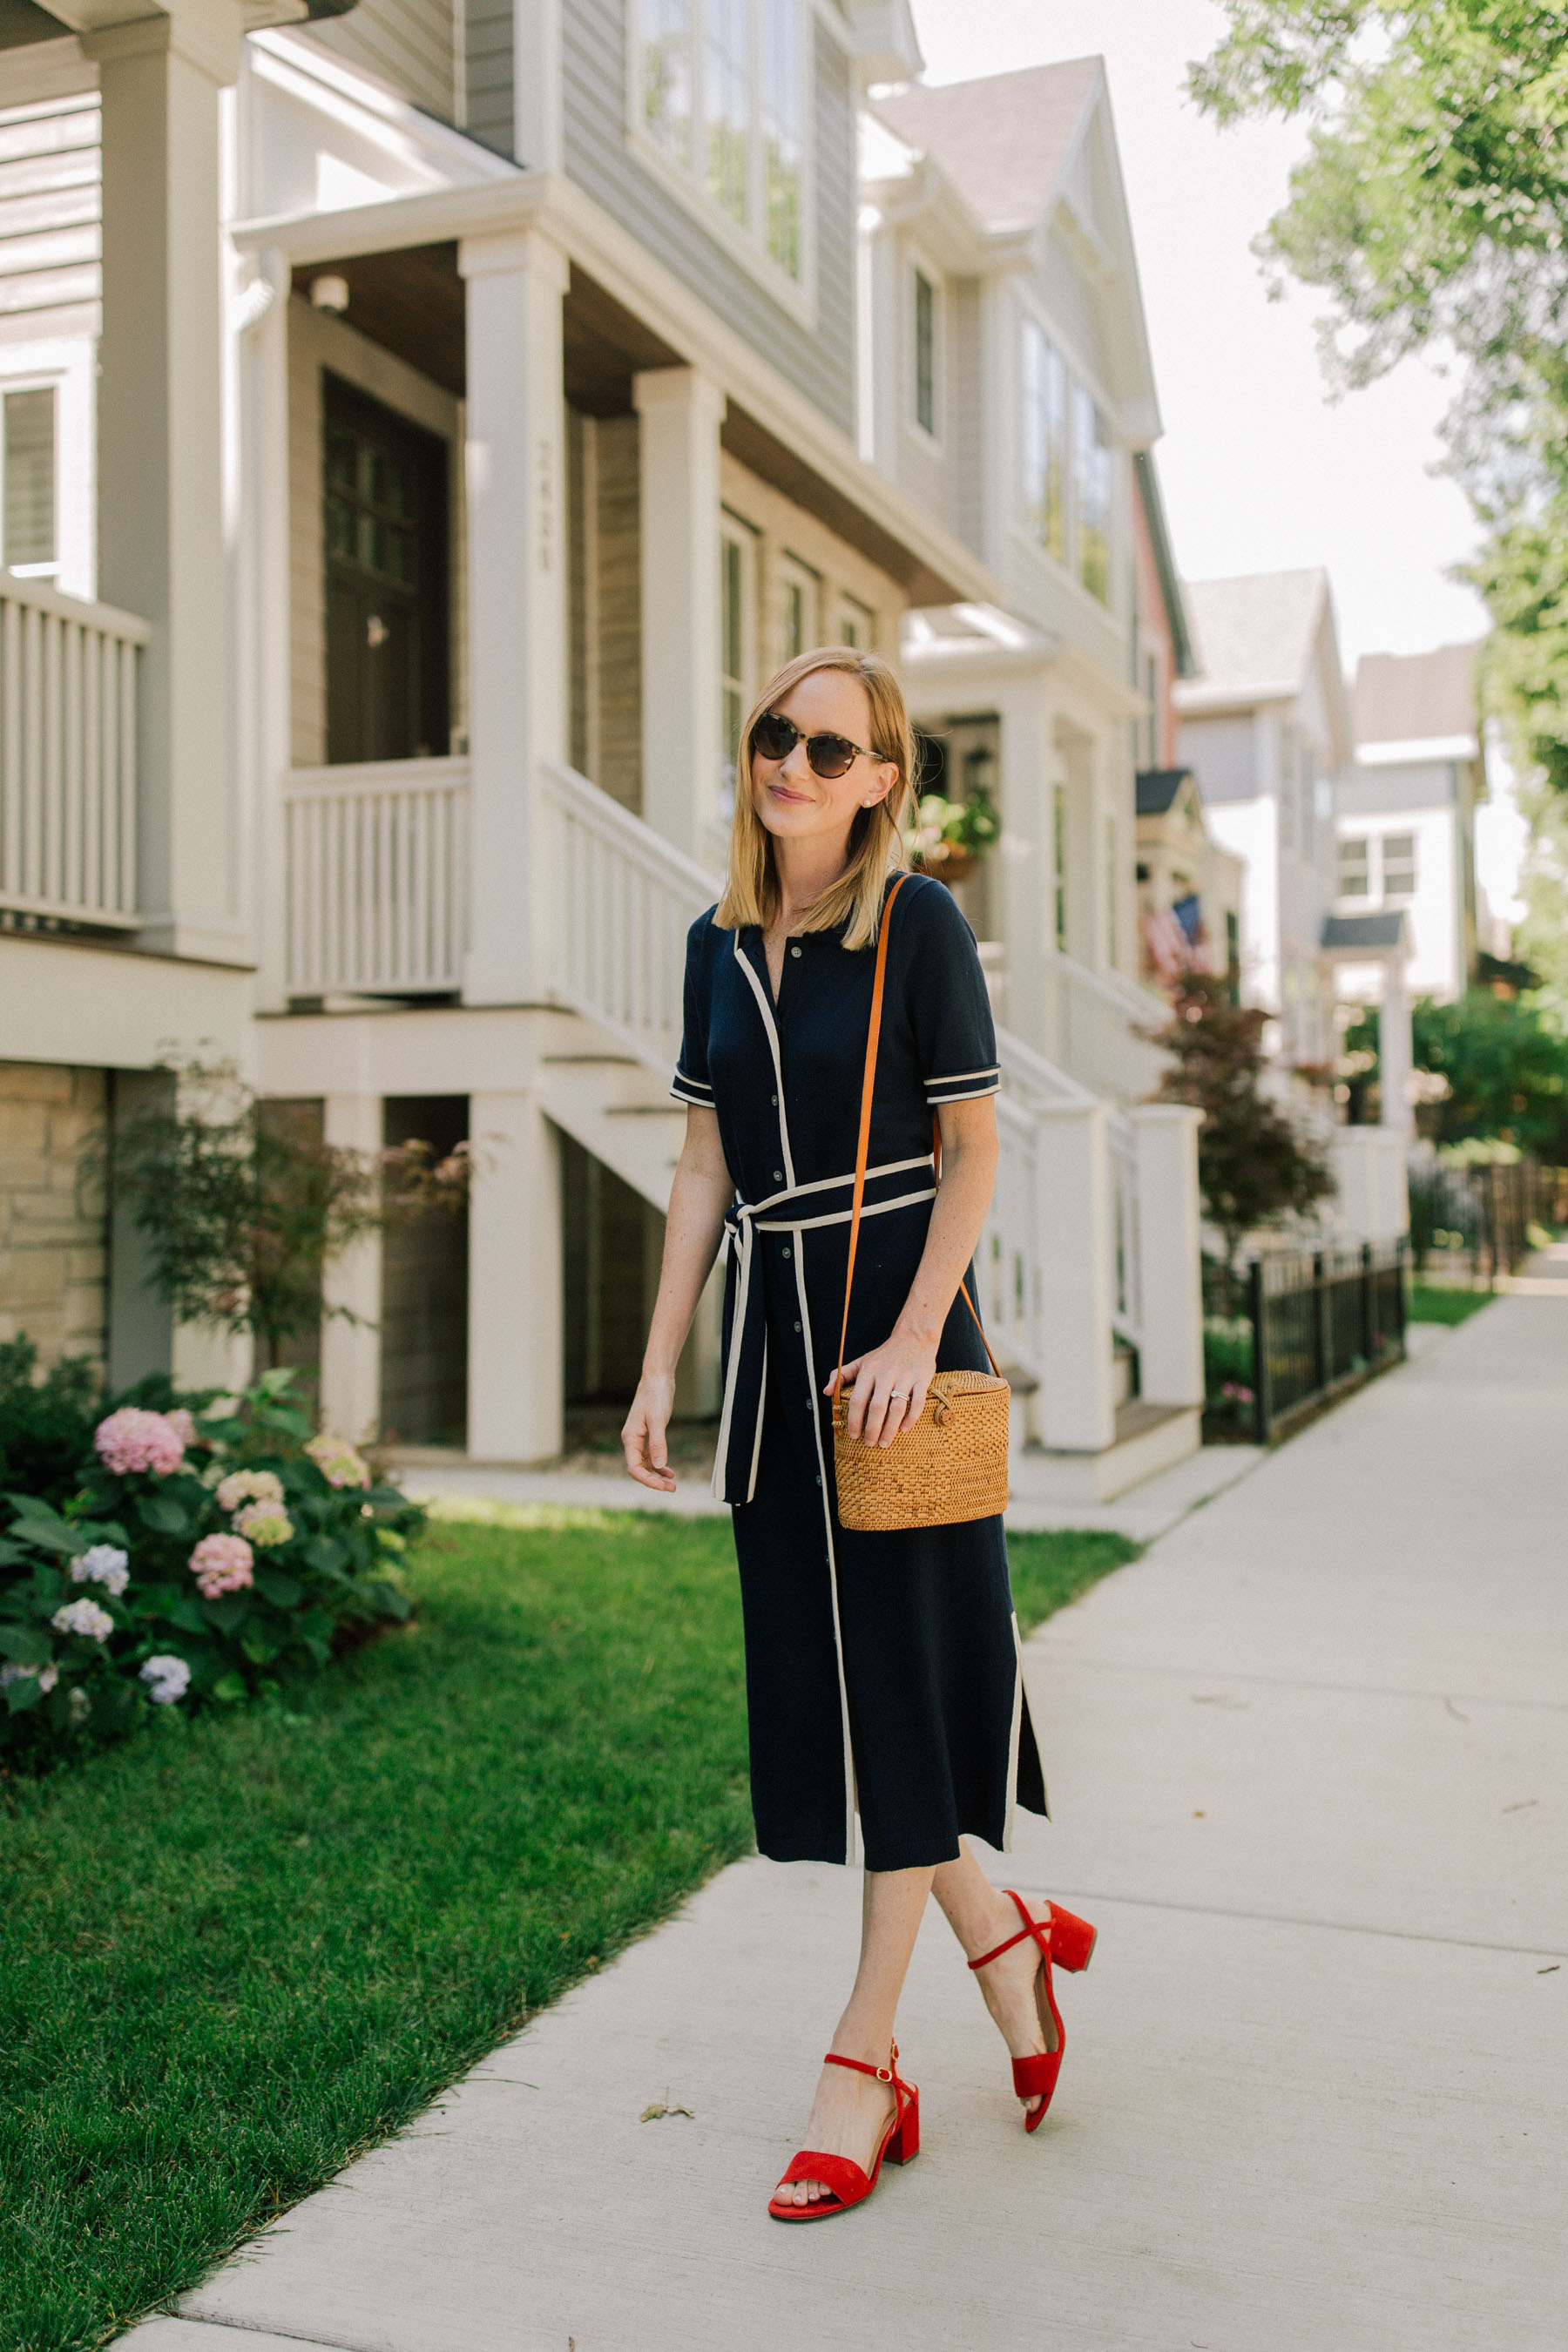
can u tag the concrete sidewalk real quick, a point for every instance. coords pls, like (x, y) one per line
(1310, 1765)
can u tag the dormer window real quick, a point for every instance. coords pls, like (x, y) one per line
(721, 97)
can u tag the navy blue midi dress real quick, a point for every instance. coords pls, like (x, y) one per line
(882, 1670)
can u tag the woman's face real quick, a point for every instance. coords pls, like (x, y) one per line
(794, 803)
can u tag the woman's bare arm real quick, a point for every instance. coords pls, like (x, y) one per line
(698, 1199)
(907, 1360)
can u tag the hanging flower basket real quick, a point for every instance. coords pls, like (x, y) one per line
(949, 838)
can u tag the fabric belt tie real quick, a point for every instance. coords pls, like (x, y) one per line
(796, 1209)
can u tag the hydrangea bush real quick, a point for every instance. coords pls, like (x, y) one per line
(210, 1554)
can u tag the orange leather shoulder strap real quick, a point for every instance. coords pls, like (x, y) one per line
(868, 1089)
(862, 1149)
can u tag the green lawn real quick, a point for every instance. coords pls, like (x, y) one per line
(1438, 1302)
(234, 1954)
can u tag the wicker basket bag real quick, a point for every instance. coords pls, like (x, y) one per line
(953, 1464)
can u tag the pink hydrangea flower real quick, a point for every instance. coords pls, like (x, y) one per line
(132, 1439)
(248, 1486)
(338, 1462)
(222, 1564)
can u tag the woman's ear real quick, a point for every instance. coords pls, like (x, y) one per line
(886, 778)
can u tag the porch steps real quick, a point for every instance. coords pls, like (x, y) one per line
(1148, 1438)
(613, 1105)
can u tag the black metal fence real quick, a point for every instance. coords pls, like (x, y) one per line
(1476, 1219)
(1309, 1324)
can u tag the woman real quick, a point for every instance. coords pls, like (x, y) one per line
(882, 1670)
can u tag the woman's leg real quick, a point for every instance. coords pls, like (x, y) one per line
(981, 1916)
(850, 2111)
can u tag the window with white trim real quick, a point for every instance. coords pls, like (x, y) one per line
(1091, 492)
(855, 625)
(1059, 866)
(925, 353)
(28, 529)
(1399, 866)
(722, 93)
(799, 589)
(1355, 867)
(1045, 440)
(737, 590)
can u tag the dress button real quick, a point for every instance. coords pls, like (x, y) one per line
(786, 1257)
(798, 1327)
(774, 1100)
(795, 951)
(778, 1175)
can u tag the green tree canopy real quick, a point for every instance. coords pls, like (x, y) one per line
(1506, 1065)
(1432, 205)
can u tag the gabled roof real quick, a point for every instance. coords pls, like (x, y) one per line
(1153, 511)
(1412, 699)
(1004, 140)
(1253, 638)
(1158, 787)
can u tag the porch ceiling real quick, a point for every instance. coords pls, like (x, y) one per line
(753, 445)
(411, 303)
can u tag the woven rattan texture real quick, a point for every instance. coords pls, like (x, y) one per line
(950, 1468)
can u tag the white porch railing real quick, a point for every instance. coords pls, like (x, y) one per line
(622, 900)
(1092, 1020)
(68, 755)
(376, 879)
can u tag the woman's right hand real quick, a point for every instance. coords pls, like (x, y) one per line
(643, 1433)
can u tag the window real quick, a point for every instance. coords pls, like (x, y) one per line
(1045, 440)
(1091, 484)
(925, 353)
(28, 491)
(386, 531)
(1399, 864)
(735, 569)
(722, 96)
(855, 625)
(798, 601)
(1059, 865)
(1356, 871)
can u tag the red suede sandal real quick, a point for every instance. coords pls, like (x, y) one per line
(840, 2174)
(1071, 1942)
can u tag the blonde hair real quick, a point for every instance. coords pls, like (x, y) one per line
(877, 835)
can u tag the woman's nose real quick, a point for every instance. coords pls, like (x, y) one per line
(797, 767)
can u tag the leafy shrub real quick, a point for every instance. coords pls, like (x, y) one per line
(1230, 1405)
(208, 1554)
(46, 1426)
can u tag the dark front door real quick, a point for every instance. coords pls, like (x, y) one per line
(387, 655)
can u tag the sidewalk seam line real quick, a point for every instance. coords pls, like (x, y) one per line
(1293, 1920)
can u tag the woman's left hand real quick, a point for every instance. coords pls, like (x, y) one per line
(890, 1388)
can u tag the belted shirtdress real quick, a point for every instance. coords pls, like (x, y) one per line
(882, 1670)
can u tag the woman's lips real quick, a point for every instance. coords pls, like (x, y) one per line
(783, 792)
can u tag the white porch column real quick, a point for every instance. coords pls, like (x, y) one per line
(514, 1281)
(1171, 1351)
(262, 683)
(350, 1351)
(161, 539)
(681, 410)
(1078, 1400)
(517, 600)
(1395, 1054)
(1022, 857)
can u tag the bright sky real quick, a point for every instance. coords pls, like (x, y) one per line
(1261, 472)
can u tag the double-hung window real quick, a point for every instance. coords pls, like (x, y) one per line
(1355, 867)
(1045, 440)
(737, 588)
(1091, 492)
(722, 94)
(1399, 866)
(28, 536)
(925, 353)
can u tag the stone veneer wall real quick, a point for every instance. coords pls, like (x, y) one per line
(54, 1258)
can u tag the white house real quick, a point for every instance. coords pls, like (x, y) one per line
(1265, 726)
(489, 429)
(1406, 811)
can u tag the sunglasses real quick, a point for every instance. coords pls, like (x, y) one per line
(829, 756)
